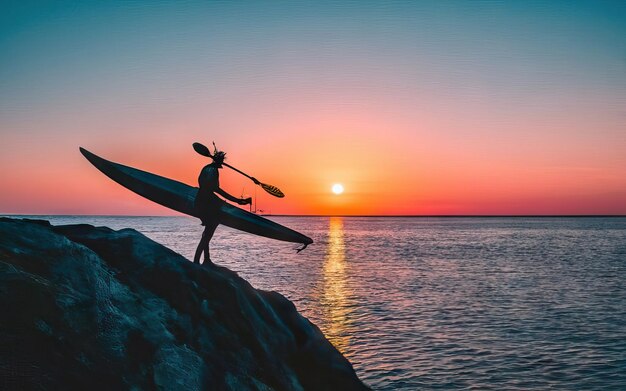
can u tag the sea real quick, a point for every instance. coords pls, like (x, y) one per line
(421, 303)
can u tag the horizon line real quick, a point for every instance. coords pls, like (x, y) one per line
(332, 215)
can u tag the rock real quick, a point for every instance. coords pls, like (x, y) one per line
(89, 307)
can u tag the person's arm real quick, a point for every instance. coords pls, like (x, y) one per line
(240, 201)
(212, 182)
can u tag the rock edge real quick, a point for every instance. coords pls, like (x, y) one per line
(90, 307)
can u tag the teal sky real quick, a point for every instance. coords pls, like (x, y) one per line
(59, 53)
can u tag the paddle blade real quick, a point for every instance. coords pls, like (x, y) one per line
(201, 149)
(273, 190)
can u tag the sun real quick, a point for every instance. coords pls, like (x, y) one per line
(337, 188)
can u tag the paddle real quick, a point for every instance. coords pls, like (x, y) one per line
(273, 190)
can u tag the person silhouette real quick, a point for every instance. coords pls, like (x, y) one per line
(207, 203)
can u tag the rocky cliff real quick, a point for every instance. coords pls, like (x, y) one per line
(85, 307)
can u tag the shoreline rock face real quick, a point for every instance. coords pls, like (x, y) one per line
(89, 307)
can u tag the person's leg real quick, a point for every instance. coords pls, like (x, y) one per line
(208, 234)
(204, 243)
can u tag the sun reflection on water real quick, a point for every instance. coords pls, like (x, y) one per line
(336, 294)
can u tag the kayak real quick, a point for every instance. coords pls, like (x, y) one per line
(180, 197)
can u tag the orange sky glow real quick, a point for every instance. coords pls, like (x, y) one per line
(417, 171)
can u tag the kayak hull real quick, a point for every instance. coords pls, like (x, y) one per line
(180, 197)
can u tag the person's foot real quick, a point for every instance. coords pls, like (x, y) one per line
(208, 263)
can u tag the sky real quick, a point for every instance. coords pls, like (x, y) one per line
(417, 108)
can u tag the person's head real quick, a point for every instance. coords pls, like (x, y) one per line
(218, 156)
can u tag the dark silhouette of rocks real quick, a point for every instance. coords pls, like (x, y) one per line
(85, 307)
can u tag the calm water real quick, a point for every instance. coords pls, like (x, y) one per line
(450, 303)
